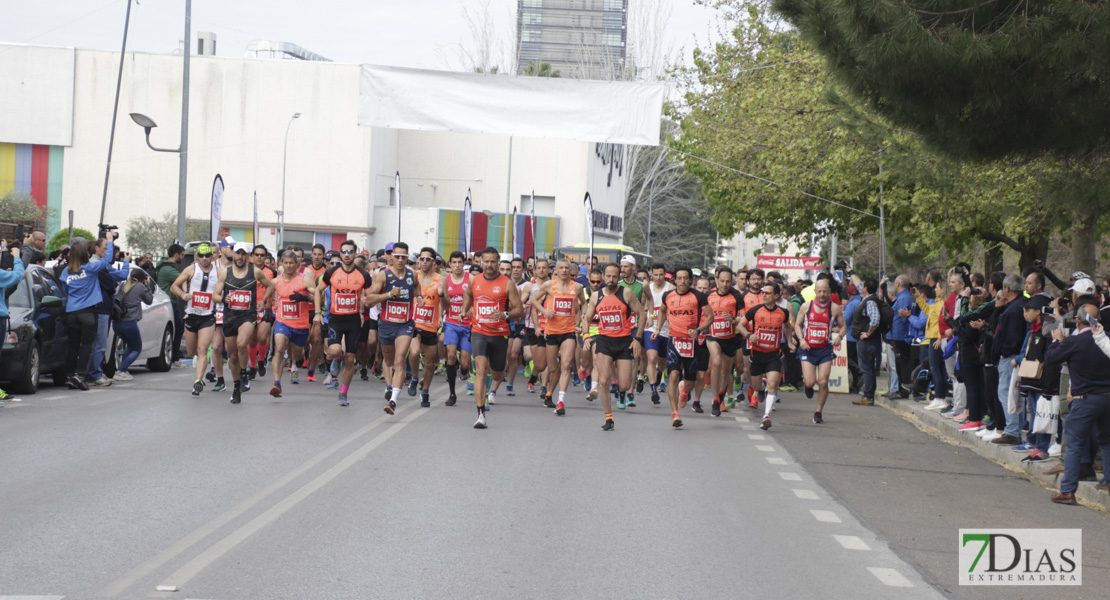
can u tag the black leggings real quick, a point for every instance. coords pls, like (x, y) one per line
(81, 330)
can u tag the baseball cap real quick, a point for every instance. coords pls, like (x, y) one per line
(243, 246)
(227, 241)
(204, 248)
(1037, 302)
(627, 258)
(389, 246)
(852, 290)
(1083, 286)
(1079, 275)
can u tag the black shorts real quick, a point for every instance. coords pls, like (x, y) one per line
(516, 330)
(558, 339)
(494, 348)
(619, 348)
(194, 323)
(729, 346)
(345, 333)
(268, 317)
(232, 322)
(373, 324)
(687, 367)
(428, 338)
(364, 332)
(701, 355)
(531, 339)
(766, 362)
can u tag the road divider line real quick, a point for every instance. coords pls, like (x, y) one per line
(806, 494)
(146, 567)
(788, 476)
(762, 448)
(890, 577)
(756, 436)
(222, 547)
(851, 542)
(774, 460)
(825, 516)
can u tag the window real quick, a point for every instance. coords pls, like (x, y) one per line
(392, 197)
(19, 296)
(614, 5)
(533, 18)
(533, 3)
(531, 35)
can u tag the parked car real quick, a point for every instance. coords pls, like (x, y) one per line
(36, 343)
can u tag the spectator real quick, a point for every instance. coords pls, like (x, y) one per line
(854, 374)
(36, 240)
(147, 264)
(82, 282)
(865, 323)
(108, 279)
(165, 275)
(1089, 413)
(959, 289)
(1045, 383)
(901, 335)
(8, 280)
(1008, 339)
(919, 322)
(133, 295)
(969, 330)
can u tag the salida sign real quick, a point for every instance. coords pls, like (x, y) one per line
(778, 263)
(1021, 557)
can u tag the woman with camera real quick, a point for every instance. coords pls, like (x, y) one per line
(82, 282)
(131, 296)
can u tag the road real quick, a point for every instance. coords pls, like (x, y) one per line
(115, 492)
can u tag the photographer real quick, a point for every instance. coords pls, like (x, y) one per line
(84, 297)
(36, 240)
(8, 280)
(109, 279)
(132, 295)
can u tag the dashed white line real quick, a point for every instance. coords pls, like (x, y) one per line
(890, 577)
(851, 542)
(31, 597)
(756, 436)
(776, 461)
(788, 476)
(825, 516)
(762, 448)
(805, 494)
(742, 419)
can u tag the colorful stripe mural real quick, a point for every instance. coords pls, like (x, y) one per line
(36, 170)
(489, 231)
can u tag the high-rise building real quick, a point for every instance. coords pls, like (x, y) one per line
(581, 39)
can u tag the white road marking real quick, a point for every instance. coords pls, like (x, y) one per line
(890, 577)
(851, 542)
(805, 494)
(787, 476)
(31, 597)
(756, 436)
(825, 516)
(765, 448)
(742, 420)
(776, 461)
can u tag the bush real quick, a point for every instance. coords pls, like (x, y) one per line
(62, 238)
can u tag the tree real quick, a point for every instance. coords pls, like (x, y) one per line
(20, 206)
(155, 234)
(535, 69)
(62, 238)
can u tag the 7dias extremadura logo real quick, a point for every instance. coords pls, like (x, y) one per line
(1021, 557)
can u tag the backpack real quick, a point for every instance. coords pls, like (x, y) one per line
(886, 315)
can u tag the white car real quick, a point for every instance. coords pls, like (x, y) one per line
(156, 328)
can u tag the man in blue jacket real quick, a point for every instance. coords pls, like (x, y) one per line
(8, 279)
(850, 308)
(900, 335)
(108, 280)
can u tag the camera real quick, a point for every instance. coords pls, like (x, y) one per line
(105, 229)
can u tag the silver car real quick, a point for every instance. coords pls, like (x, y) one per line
(156, 328)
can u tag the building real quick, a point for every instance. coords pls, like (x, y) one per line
(339, 180)
(582, 39)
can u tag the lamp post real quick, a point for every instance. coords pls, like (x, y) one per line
(284, 156)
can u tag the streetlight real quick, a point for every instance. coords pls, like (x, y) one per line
(503, 242)
(284, 155)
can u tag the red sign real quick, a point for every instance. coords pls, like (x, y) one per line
(778, 263)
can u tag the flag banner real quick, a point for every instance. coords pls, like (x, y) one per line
(217, 206)
(256, 240)
(397, 188)
(511, 245)
(532, 251)
(468, 225)
(616, 112)
(590, 226)
(807, 263)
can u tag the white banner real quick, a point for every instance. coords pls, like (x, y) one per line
(468, 226)
(618, 112)
(217, 206)
(256, 241)
(533, 225)
(397, 191)
(590, 228)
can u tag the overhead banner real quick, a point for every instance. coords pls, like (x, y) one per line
(617, 112)
(256, 241)
(778, 263)
(590, 226)
(468, 225)
(217, 206)
(397, 189)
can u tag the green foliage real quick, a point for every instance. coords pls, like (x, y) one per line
(62, 238)
(535, 69)
(155, 234)
(20, 206)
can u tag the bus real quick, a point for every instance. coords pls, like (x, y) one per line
(605, 253)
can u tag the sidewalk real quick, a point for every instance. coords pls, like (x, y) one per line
(932, 422)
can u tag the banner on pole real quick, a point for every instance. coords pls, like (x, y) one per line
(217, 206)
(590, 227)
(468, 225)
(397, 188)
(778, 263)
(256, 240)
(532, 252)
(511, 232)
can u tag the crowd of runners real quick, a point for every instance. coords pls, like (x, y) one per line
(406, 316)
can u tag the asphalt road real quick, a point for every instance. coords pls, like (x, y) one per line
(117, 491)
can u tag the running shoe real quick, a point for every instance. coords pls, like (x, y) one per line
(1022, 447)
(252, 372)
(971, 426)
(592, 395)
(425, 402)
(509, 389)
(332, 385)
(211, 375)
(608, 426)
(787, 388)
(75, 383)
(766, 424)
(613, 389)
(817, 418)
(469, 388)
(640, 384)
(246, 383)
(531, 388)
(412, 386)
(198, 387)
(388, 408)
(621, 402)
(547, 402)
(219, 387)
(631, 401)
(543, 391)
(697, 407)
(294, 378)
(655, 397)
(236, 395)
(577, 381)
(262, 369)
(275, 391)
(1035, 455)
(809, 392)
(724, 406)
(311, 377)
(676, 421)
(528, 370)
(364, 374)
(716, 410)
(451, 400)
(334, 368)
(343, 400)
(560, 409)
(481, 422)
(387, 391)
(662, 387)
(753, 399)
(491, 399)
(683, 397)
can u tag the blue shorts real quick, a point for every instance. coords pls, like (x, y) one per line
(818, 356)
(298, 337)
(387, 332)
(458, 336)
(659, 344)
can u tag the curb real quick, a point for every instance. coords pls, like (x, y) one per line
(932, 422)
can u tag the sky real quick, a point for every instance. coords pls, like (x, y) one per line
(412, 33)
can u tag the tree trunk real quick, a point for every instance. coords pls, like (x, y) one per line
(1084, 240)
(1032, 250)
(992, 259)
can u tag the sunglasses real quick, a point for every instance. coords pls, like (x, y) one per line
(401, 256)
(259, 255)
(344, 251)
(208, 255)
(426, 258)
(595, 282)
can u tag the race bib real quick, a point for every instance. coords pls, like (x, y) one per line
(485, 309)
(291, 311)
(610, 320)
(220, 313)
(202, 300)
(261, 314)
(344, 304)
(396, 312)
(563, 307)
(425, 315)
(817, 335)
(766, 340)
(238, 300)
(722, 326)
(683, 346)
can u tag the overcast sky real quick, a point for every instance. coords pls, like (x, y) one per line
(413, 33)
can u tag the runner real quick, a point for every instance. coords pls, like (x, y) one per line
(494, 300)
(766, 322)
(395, 287)
(615, 308)
(590, 332)
(560, 302)
(291, 301)
(535, 343)
(702, 356)
(656, 341)
(427, 314)
(237, 288)
(753, 298)
(677, 315)
(260, 343)
(630, 281)
(816, 352)
(456, 328)
(312, 274)
(200, 312)
(345, 284)
(516, 338)
(727, 304)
